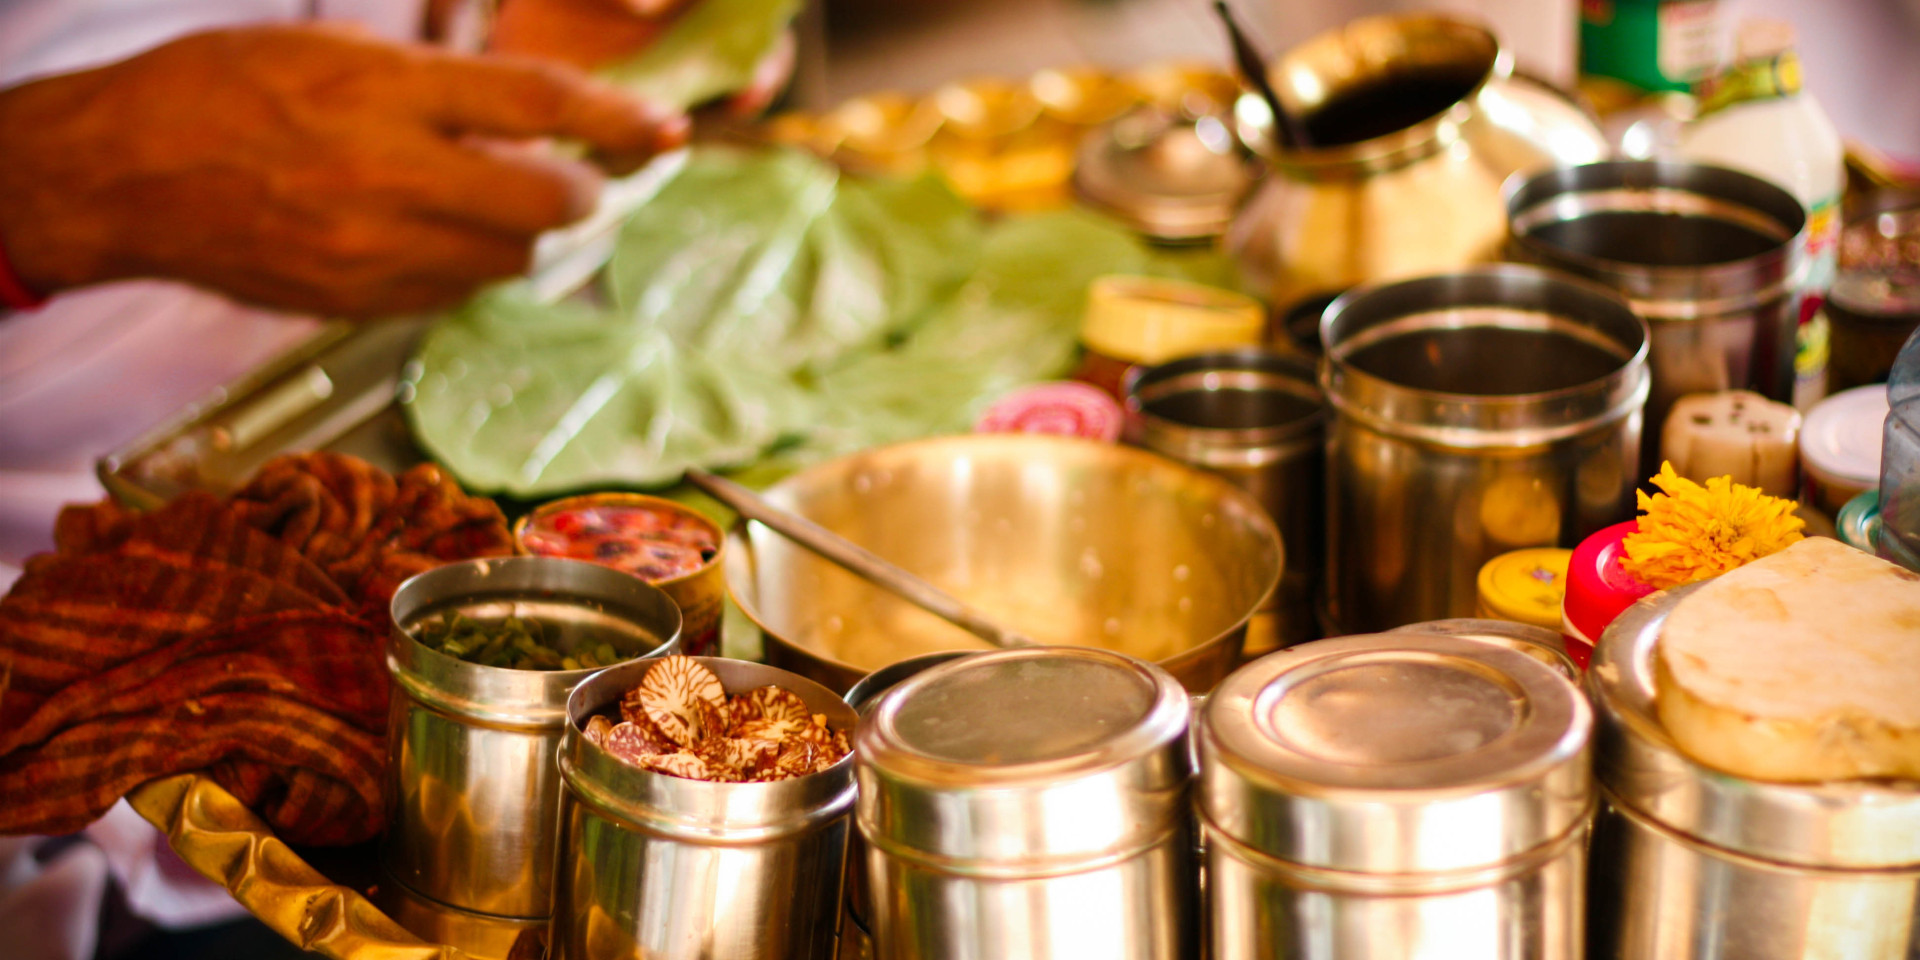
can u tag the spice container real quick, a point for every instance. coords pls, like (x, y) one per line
(1475, 413)
(1258, 419)
(1840, 446)
(1598, 588)
(1693, 864)
(856, 930)
(1029, 803)
(1875, 302)
(668, 544)
(670, 868)
(1140, 320)
(469, 849)
(1710, 258)
(1398, 795)
(1525, 586)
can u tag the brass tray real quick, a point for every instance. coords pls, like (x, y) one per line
(219, 837)
(998, 143)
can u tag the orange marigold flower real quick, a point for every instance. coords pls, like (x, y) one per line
(1692, 532)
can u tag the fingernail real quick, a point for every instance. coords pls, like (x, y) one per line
(672, 133)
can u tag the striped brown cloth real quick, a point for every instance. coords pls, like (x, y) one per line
(242, 637)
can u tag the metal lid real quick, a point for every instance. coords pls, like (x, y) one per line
(1842, 435)
(1547, 646)
(1395, 753)
(1024, 761)
(1169, 178)
(1856, 824)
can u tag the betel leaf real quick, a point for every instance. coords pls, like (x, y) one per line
(711, 50)
(763, 310)
(528, 398)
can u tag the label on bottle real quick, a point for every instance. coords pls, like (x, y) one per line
(1687, 40)
(1823, 241)
(1810, 351)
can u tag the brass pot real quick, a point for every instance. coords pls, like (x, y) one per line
(1415, 122)
(1068, 541)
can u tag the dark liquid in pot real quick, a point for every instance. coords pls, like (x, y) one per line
(1387, 104)
(1656, 239)
(1486, 361)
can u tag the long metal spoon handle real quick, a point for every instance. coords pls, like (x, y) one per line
(855, 558)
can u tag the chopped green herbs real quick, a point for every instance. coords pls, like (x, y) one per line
(513, 643)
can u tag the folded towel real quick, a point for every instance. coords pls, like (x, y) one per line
(244, 638)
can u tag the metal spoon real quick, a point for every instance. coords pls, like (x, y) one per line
(856, 559)
(1253, 67)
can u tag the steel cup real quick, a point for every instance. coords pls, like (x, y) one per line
(1400, 796)
(1712, 259)
(474, 790)
(668, 868)
(1690, 863)
(1257, 419)
(1475, 413)
(1029, 803)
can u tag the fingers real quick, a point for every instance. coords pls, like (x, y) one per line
(523, 99)
(519, 189)
(417, 264)
(770, 75)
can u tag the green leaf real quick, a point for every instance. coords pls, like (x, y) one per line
(763, 312)
(711, 50)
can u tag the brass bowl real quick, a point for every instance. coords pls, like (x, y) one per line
(1068, 541)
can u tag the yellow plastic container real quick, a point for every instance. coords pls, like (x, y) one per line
(1525, 586)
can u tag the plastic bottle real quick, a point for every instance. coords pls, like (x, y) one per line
(1755, 117)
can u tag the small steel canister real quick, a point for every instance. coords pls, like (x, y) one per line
(1403, 795)
(1474, 413)
(1713, 260)
(1029, 803)
(474, 791)
(668, 868)
(856, 931)
(1256, 418)
(1693, 864)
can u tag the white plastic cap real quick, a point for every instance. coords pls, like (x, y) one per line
(1841, 437)
(1763, 38)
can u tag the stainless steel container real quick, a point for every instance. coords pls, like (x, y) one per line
(1474, 413)
(1256, 418)
(1405, 796)
(856, 931)
(1693, 864)
(1029, 803)
(1539, 643)
(667, 868)
(1711, 258)
(474, 791)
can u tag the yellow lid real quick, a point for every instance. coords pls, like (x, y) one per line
(1147, 319)
(1526, 586)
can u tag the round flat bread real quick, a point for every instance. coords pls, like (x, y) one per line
(1802, 666)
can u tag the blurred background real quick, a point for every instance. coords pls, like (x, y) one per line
(1859, 55)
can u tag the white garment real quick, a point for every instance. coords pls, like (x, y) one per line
(93, 369)
(86, 373)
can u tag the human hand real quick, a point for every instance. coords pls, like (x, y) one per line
(307, 168)
(593, 33)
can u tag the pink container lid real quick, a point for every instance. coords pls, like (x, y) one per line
(1598, 589)
(1065, 408)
